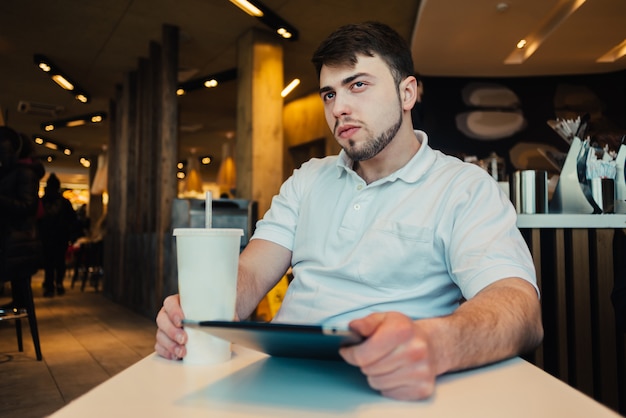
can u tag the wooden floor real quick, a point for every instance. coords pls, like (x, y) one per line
(85, 339)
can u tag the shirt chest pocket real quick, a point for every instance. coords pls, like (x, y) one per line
(395, 255)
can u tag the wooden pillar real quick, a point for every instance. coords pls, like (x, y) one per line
(259, 152)
(120, 217)
(142, 179)
(112, 250)
(167, 155)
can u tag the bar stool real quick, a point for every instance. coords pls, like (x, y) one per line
(22, 291)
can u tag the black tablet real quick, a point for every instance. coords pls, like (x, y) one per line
(282, 340)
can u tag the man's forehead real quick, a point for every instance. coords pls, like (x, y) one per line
(364, 64)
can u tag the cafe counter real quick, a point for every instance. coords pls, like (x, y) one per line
(580, 260)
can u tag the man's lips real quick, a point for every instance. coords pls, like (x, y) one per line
(346, 131)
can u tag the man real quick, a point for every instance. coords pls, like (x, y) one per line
(390, 236)
(55, 228)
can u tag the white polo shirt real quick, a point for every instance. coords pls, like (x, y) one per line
(416, 241)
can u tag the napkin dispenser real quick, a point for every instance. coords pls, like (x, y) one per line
(573, 191)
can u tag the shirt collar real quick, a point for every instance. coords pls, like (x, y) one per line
(410, 173)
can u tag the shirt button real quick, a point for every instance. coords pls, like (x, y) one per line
(359, 187)
(357, 206)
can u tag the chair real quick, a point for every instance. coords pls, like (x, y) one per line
(89, 264)
(79, 263)
(22, 306)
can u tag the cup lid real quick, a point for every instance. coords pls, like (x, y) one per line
(209, 231)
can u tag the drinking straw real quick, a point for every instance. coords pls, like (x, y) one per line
(208, 210)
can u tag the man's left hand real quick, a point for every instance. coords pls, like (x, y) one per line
(396, 357)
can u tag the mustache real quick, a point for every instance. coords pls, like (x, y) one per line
(346, 119)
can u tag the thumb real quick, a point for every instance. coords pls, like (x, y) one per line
(367, 325)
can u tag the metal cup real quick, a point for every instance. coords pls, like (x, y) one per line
(529, 191)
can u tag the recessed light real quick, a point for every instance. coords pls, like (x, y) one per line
(502, 7)
(559, 14)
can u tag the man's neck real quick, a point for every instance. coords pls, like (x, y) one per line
(395, 156)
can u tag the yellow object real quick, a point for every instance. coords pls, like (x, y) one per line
(270, 304)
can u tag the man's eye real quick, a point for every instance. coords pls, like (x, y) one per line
(329, 96)
(359, 84)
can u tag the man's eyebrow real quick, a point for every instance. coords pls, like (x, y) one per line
(345, 81)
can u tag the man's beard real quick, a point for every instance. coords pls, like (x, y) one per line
(375, 145)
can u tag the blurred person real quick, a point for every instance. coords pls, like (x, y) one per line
(413, 249)
(20, 247)
(82, 225)
(55, 228)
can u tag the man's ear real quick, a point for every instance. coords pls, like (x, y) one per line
(410, 92)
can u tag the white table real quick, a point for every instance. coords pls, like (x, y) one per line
(253, 385)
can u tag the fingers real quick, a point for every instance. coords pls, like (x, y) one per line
(409, 381)
(367, 326)
(395, 357)
(415, 391)
(385, 332)
(172, 307)
(167, 348)
(170, 336)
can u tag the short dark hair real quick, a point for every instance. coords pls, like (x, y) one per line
(53, 183)
(369, 39)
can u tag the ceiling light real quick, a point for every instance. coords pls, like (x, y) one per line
(521, 44)
(248, 7)
(74, 121)
(206, 160)
(617, 52)
(260, 11)
(52, 144)
(84, 161)
(60, 78)
(502, 7)
(61, 81)
(209, 81)
(294, 83)
(284, 33)
(557, 16)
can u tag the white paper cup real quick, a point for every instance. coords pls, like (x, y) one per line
(207, 283)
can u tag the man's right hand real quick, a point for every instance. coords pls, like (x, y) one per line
(170, 336)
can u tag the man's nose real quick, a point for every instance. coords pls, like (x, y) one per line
(341, 106)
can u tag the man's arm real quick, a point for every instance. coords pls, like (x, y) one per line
(261, 265)
(402, 358)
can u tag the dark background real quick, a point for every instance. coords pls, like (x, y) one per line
(606, 104)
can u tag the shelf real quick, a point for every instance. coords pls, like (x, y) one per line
(571, 220)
